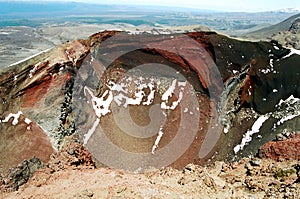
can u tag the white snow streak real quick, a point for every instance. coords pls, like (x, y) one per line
(12, 115)
(290, 100)
(248, 136)
(287, 118)
(293, 51)
(122, 96)
(91, 131)
(159, 136)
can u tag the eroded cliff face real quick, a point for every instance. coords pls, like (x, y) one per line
(34, 96)
(143, 100)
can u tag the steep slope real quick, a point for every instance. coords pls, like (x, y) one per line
(274, 29)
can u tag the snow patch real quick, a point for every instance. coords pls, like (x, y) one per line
(269, 68)
(248, 136)
(100, 105)
(235, 71)
(292, 52)
(27, 121)
(158, 138)
(226, 129)
(290, 100)
(12, 115)
(132, 91)
(287, 118)
(169, 94)
(140, 84)
(91, 131)
(170, 91)
(32, 71)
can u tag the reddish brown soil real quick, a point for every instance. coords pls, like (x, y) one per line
(282, 150)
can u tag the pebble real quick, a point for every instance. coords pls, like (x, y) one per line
(285, 134)
(255, 161)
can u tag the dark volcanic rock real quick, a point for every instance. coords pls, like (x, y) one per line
(20, 174)
(295, 27)
(143, 100)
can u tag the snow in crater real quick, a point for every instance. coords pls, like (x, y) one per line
(124, 96)
(157, 140)
(248, 136)
(226, 129)
(27, 121)
(132, 91)
(150, 97)
(270, 67)
(292, 52)
(101, 107)
(170, 92)
(287, 118)
(235, 71)
(290, 100)
(287, 109)
(12, 115)
(283, 114)
(91, 131)
(100, 104)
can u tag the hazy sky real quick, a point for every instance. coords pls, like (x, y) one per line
(227, 5)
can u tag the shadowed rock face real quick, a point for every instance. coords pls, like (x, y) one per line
(206, 95)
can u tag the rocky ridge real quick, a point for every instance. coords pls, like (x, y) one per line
(245, 179)
(290, 37)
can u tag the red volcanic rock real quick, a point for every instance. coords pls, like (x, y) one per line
(73, 155)
(22, 139)
(33, 92)
(282, 150)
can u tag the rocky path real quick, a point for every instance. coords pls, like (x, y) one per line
(253, 178)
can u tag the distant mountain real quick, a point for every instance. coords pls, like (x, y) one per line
(274, 29)
(288, 10)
